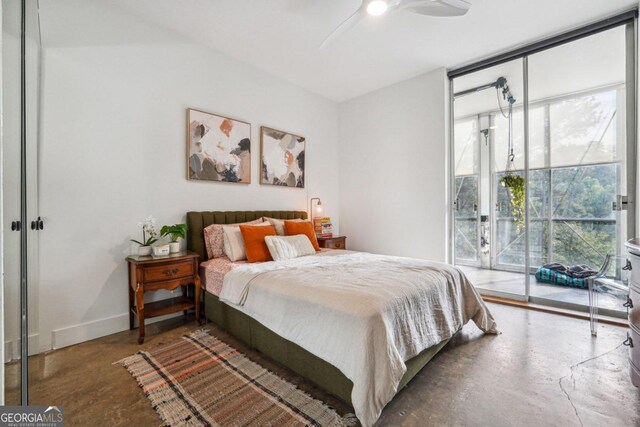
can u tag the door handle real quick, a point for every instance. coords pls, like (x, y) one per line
(37, 225)
(620, 204)
(16, 225)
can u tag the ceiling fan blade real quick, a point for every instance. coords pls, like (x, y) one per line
(346, 25)
(441, 8)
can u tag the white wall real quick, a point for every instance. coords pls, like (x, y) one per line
(113, 152)
(393, 169)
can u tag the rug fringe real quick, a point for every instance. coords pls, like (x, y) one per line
(349, 420)
(128, 360)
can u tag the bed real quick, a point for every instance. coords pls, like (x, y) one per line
(238, 319)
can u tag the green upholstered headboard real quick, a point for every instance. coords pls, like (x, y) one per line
(197, 221)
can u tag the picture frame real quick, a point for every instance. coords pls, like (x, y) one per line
(282, 158)
(218, 148)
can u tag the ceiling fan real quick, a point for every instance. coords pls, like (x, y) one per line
(440, 8)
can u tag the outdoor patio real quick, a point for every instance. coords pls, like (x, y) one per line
(505, 281)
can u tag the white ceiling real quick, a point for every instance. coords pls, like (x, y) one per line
(282, 36)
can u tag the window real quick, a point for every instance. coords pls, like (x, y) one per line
(466, 189)
(574, 165)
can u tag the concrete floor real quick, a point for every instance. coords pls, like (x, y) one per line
(543, 370)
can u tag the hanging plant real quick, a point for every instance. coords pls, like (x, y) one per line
(515, 184)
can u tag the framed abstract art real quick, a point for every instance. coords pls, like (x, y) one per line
(218, 148)
(282, 158)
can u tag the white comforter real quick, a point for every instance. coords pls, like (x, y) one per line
(365, 314)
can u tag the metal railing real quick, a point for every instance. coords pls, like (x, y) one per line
(566, 221)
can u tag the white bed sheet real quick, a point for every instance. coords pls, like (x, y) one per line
(365, 314)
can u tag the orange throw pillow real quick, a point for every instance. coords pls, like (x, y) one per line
(292, 228)
(254, 244)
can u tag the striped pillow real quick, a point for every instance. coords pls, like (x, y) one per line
(288, 247)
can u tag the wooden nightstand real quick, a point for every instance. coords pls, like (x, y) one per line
(147, 273)
(335, 242)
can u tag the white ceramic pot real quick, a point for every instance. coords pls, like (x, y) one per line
(144, 250)
(175, 247)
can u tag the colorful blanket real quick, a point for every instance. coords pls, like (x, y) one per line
(547, 275)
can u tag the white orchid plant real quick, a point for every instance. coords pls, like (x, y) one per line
(148, 228)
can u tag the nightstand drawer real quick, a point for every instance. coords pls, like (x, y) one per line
(156, 273)
(634, 274)
(336, 244)
(634, 309)
(633, 341)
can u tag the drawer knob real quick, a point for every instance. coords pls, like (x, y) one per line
(168, 272)
(629, 303)
(628, 342)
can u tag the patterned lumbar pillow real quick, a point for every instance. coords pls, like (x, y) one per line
(289, 247)
(214, 238)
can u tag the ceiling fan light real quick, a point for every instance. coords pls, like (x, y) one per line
(377, 7)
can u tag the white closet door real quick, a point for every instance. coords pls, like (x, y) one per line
(11, 189)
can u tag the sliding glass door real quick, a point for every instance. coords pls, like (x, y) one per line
(466, 192)
(488, 142)
(545, 148)
(583, 89)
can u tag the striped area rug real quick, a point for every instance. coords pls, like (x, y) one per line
(199, 380)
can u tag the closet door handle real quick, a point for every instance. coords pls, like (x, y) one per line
(37, 225)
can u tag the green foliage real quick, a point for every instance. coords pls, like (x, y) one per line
(515, 184)
(148, 227)
(176, 231)
(577, 193)
(150, 241)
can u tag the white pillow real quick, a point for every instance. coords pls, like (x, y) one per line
(288, 247)
(233, 243)
(278, 224)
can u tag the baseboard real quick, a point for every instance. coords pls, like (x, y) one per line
(12, 348)
(77, 334)
(554, 310)
(8, 351)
